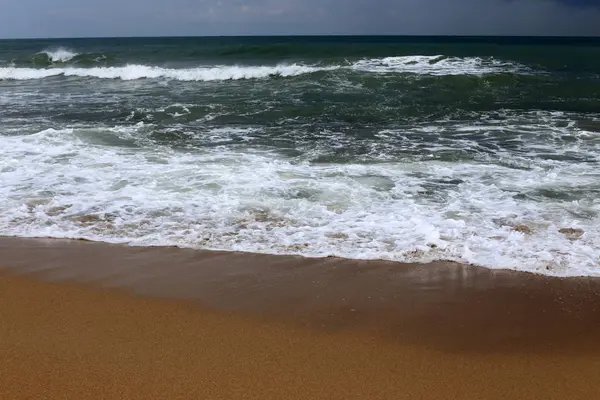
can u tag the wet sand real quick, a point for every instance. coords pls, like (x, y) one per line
(91, 320)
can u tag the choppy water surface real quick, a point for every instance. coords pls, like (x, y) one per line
(411, 149)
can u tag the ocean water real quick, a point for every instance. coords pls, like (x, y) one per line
(479, 150)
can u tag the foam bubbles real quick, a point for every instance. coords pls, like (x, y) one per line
(60, 54)
(422, 65)
(437, 65)
(67, 183)
(133, 72)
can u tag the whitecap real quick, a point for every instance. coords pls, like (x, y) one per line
(60, 55)
(421, 65)
(134, 72)
(437, 65)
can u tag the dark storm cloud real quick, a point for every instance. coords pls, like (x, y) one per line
(42, 18)
(581, 3)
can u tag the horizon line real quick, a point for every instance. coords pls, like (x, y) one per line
(457, 36)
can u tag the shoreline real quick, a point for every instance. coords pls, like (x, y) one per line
(472, 308)
(88, 320)
(301, 256)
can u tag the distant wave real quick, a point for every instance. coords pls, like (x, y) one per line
(59, 55)
(438, 65)
(424, 65)
(132, 72)
(62, 57)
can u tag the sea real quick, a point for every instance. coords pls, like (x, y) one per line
(481, 150)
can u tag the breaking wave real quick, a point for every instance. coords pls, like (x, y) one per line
(422, 65)
(132, 72)
(59, 55)
(438, 65)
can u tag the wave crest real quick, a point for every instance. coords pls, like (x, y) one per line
(59, 55)
(438, 65)
(132, 72)
(421, 65)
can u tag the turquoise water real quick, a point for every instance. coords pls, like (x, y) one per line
(403, 148)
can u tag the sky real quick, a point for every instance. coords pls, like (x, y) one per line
(89, 18)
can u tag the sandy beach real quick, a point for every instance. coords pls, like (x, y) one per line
(92, 320)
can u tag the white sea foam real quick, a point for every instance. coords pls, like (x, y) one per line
(132, 72)
(69, 183)
(437, 65)
(424, 65)
(60, 54)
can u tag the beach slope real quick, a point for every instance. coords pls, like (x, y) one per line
(91, 320)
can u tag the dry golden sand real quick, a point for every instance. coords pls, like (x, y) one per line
(88, 320)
